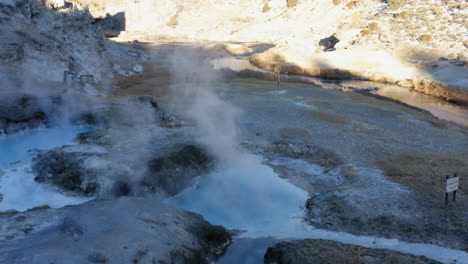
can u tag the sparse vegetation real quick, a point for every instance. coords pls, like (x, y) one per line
(395, 4)
(402, 15)
(291, 3)
(426, 38)
(426, 173)
(266, 8)
(373, 27)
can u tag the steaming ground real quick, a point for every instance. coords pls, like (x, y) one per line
(289, 161)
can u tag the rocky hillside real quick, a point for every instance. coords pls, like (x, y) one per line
(437, 25)
(43, 41)
(391, 41)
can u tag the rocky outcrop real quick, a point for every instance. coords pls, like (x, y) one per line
(176, 171)
(125, 230)
(21, 112)
(315, 251)
(94, 170)
(44, 42)
(82, 169)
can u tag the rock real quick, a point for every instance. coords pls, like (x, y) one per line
(169, 120)
(20, 112)
(317, 251)
(175, 172)
(406, 83)
(329, 43)
(99, 137)
(123, 230)
(138, 68)
(112, 25)
(41, 37)
(144, 100)
(237, 49)
(97, 258)
(116, 67)
(82, 169)
(90, 90)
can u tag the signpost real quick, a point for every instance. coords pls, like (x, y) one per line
(452, 186)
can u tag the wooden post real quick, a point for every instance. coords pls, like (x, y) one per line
(446, 193)
(455, 192)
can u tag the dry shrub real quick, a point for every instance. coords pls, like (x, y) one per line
(291, 3)
(395, 4)
(373, 27)
(266, 8)
(402, 15)
(352, 4)
(426, 38)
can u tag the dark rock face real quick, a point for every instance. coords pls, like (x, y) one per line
(112, 25)
(316, 251)
(329, 43)
(21, 112)
(69, 168)
(144, 100)
(176, 171)
(98, 137)
(93, 170)
(123, 230)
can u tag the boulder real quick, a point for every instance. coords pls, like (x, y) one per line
(176, 171)
(20, 112)
(82, 169)
(329, 43)
(124, 230)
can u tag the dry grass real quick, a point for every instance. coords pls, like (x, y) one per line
(327, 117)
(426, 173)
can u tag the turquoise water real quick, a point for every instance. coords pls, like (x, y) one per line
(18, 189)
(246, 195)
(16, 147)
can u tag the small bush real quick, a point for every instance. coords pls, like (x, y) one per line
(426, 38)
(266, 8)
(291, 3)
(351, 4)
(395, 4)
(373, 27)
(402, 15)
(336, 2)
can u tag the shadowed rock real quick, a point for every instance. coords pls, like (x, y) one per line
(316, 251)
(125, 230)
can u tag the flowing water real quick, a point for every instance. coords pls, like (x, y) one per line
(18, 189)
